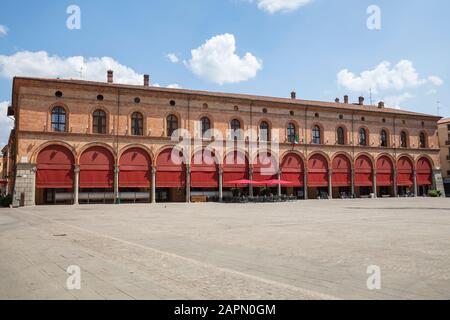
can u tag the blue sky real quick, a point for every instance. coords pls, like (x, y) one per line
(317, 47)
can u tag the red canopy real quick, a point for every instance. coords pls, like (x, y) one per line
(242, 182)
(276, 182)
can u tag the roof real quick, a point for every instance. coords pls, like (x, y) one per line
(250, 98)
(444, 121)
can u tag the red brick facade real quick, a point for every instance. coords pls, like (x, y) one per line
(342, 148)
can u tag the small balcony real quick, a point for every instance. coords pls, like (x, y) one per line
(447, 143)
(448, 158)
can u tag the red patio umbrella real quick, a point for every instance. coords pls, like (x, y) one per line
(276, 182)
(241, 182)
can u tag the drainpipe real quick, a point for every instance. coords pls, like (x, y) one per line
(116, 168)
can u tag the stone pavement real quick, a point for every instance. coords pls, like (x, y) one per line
(300, 250)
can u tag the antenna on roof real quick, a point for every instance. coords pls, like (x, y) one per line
(370, 93)
(81, 72)
(438, 107)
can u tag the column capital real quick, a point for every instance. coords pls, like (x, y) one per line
(76, 169)
(116, 168)
(154, 169)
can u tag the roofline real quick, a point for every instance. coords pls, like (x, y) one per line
(238, 96)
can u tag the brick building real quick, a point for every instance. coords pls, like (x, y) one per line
(80, 141)
(444, 142)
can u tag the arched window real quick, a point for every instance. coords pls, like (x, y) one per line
(235, 129)
(403, 139)
(172, 124)
(99, 121)
(340, 136)
(205, 126)
(137, 124)
(264, 131)
(316, 138)
(383, 138)
(362, 137)
(422, 140)
(291, 136)
(59, 119)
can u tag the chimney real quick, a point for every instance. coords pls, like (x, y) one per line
(146, 80)
(381, 104)
(346, 99)
(110, 76)
(293, 95)
(336, 100)
(361, 101)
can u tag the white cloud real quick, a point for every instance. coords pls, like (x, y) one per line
(431, 92)
(170, 86)
(40, 64)
(436, 81)
(396, 101)
(173, 58)
(403, 75)
(216, 61)
(3, 30)
(274, 6)
(6, 124)
(174, 86)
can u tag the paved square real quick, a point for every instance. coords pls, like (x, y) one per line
(300, 250)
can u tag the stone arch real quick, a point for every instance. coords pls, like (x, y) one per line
(97, 167)
(405, 169)
(135, 168)
(342, 170)
(96, 144)
(49, 143)
(364, 170)
(385, 165)
(424, 171)
(318, 166)
(55, 167)
(293, 168)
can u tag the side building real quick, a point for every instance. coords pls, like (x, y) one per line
(81, 142)
(444, 142)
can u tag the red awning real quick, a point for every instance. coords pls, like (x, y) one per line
(171, 172)
(97, 168)
(135, 169)
(55, 166)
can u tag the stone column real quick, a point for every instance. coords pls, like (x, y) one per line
(416, 189)
(220, 184)
(76, 185)
(188, 184)
(438, 182)
(24, 192)
(305, 184)
(330, 185)
(395, 182)
(353, 183)
(279, 185)
(153, 185)
(250, 177)
(374, 178)
(116, 183)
